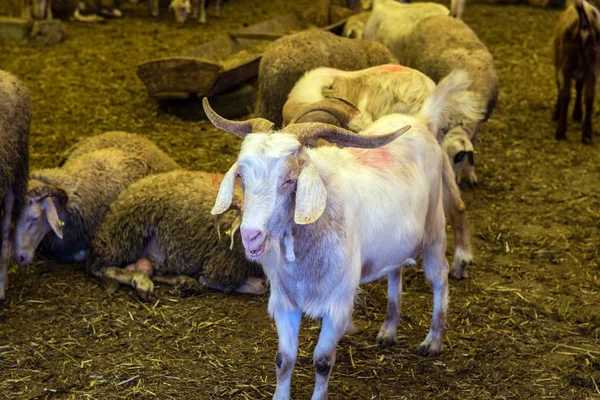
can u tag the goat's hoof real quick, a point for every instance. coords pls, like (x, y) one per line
(143, 285)
(429, 349)
(386, 338)
(561, 136)
(586, 140)
(459, 273)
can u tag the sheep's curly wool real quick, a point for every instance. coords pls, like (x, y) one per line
(157, 160)
(438, 45)
(287, 59)
(92, 177)
(174, 208)
(15, 118)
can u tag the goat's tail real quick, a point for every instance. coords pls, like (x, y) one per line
(457, 7)
(449, 98)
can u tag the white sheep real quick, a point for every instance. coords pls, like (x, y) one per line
(356, 214)
(15, 119)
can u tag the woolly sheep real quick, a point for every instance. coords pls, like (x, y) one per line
(288, 58)
(161, 228)
(15, 119)
(357, 214)
(437, 46)
(78, 194)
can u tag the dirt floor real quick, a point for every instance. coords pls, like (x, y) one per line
(526, 324)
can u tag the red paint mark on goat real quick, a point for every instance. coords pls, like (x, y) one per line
(216, 179)
(379, 158)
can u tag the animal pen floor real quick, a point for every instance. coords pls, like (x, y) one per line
(525, 324)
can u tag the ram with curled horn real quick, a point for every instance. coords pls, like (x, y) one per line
(356, 214)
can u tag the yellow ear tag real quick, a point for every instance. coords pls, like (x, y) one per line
(61, 223)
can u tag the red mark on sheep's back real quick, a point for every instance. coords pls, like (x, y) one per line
(391, 67)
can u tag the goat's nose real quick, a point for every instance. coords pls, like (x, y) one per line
(250, 235)
(21, 259)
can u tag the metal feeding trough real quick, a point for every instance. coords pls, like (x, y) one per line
(218, 68)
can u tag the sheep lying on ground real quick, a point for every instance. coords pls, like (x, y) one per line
(288, 58)
(64, 206)
(161, 228)
(378, 92)
(577, 57)
(15, 118)
(356, 214)
(156, 160)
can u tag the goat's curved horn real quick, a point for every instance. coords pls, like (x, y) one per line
(237, 128)
(340, 109)
(340, 136)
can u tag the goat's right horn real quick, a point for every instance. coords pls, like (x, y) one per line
(237, 128)
(340, 109)
(340, 136)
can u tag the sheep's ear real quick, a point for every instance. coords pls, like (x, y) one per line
(52, 216)
(225, 196)
(311, 196)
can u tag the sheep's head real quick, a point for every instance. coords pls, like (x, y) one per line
(182, 10)
(458, 147)
(279, 180)
(39, 216)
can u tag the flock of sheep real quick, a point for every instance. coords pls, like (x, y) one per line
(346, 173)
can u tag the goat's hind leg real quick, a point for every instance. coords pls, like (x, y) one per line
(436, 271)
(7, 206)
(577, 110)
(387, 333)
(562, 105)
(589, 93)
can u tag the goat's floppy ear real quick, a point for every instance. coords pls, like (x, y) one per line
(311, 196)
(52, 215)
(225, 196)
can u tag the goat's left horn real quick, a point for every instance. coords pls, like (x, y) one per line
(340, 136)
(340, 109)
(237, 128)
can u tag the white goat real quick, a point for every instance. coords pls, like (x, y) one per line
(356, 215)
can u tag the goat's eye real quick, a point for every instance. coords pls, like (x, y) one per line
(288, 182)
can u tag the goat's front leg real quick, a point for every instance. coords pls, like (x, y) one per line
(218, 8)
(288, 326)
(387, 333)
(154, 8)
(562, 105)
(7, 205)
(332, 329)
(577, 111)
(590, 93)
(436, 271)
